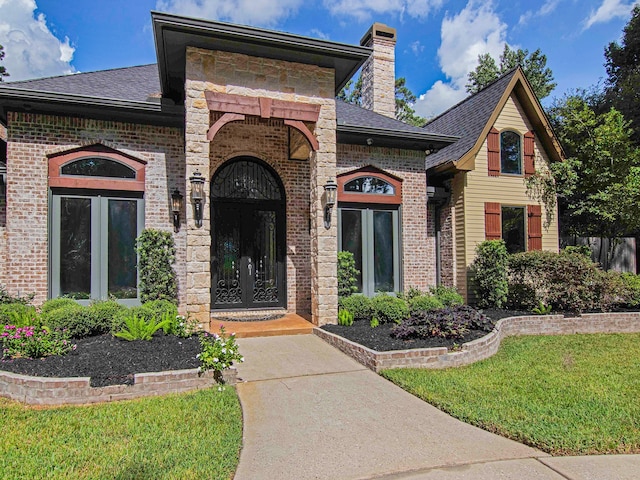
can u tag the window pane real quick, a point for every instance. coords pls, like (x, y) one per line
(75, 247)
(513, 230)
(122, 258)
(98, 167)
(369, 185)
(383, 251)
(351, 231)
(510, 157)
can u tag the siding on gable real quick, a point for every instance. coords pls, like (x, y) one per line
(505, 189)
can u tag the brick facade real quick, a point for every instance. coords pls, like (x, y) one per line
(31, 137)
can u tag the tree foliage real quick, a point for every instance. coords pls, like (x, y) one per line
(534, 65)
(622, 62)
(3, 70)
(598, 184)
(405, 99)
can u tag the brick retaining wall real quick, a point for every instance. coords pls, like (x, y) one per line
(488, 345)
(77, 390)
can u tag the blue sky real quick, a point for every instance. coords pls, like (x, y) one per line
(438, 40)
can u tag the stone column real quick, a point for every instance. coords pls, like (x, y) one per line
(197, 159)
(324, 242)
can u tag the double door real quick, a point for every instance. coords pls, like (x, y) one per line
(247, 257)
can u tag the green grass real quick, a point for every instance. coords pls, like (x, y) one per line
(566, 395)
(184, 436)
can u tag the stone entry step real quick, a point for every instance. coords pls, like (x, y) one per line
(288, 324)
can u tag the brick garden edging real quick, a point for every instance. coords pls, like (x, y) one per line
(486, 346)
(76, 390)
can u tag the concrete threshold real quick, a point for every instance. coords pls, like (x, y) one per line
(289, 324)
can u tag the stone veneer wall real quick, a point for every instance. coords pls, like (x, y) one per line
(31, 137)
(77, 390)
(418, 235)
(261, 77)
(488, 345)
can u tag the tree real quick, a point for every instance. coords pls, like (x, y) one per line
(598, 185)
(3, 70)
(534, 66)
(405, 99)
(622, 62)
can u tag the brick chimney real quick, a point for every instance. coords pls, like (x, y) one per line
(378, 72)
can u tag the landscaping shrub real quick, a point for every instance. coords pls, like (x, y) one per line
(33, 342)
(72, 318)
(156, 251)
(451, 322)
(359, 305)
(424, 303)
(345, 318)
(387, 308)
(347, 274)
(613, 290)
(19, 315)
(136, 328)
(55, 303)
(568, 281)
(104, 315)
(218, 351)
(489, 270)
(631, 289)
(449, 296)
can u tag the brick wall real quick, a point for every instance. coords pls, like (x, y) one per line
(418, 234)
(447, 246)
(485, 347)
(31, 137)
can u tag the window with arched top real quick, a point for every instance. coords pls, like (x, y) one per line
(369, 201)
(97, 212)
(510, 152)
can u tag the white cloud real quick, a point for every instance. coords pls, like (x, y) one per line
(609, 10)
(364, 9)
(416, 47)
(251, 12)
(31, 50)
(475, 30)
(319, 34)
(547, 7)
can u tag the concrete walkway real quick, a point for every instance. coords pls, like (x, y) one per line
(311, 412)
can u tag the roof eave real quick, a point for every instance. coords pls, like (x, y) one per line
(248, 40)
(53, 102)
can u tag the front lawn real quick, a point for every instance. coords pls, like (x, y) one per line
(193, 435)
(566, 395)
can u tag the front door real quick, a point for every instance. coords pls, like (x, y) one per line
(247, 257)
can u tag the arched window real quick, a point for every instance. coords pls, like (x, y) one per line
(97, 212)
(510, 152)
(368, 184)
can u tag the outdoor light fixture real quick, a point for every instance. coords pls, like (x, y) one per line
(197, 196)
(176, 208)
(330, 190)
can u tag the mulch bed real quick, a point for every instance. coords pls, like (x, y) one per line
(112, 361)
(380, 338)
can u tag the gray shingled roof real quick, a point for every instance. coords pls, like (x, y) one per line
(139, 84)
(353, 115)
(466, 120)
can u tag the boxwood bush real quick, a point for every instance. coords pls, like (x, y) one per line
(449, 296)
(359, 305)
(424, 303)
(387, 308)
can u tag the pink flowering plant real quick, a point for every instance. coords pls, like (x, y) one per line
(219, 351)
(33, 342)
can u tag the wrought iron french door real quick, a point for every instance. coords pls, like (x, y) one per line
(247, 258)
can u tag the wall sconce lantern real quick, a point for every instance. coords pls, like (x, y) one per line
(176, 207)
(330, 190)
(197, 195)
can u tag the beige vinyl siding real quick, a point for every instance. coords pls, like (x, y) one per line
(505, 189)
(457, 199)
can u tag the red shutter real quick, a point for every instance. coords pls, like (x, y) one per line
(493, 152)
(529, 154)
(534, 226)
(492, 223)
